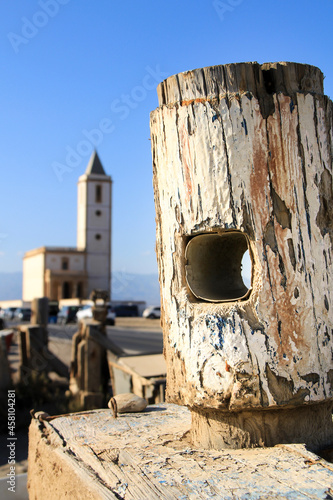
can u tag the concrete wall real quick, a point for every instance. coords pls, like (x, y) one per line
(94, 228)
(33, 276)
(98, 268)
(81, 214)
(14, 303)
(54, 261)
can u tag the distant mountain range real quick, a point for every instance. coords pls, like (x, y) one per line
(10, 286)
(128, 286)
(125, 286)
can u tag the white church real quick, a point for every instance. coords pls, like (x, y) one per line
(72, 273)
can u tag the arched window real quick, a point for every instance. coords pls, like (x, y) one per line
(79, 290)
(64, 263)
(98, 194)
(66, 290)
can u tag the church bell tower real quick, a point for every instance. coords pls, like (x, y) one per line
(94, 223)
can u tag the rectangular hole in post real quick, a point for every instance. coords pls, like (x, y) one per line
(213, 266)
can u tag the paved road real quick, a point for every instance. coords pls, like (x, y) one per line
(133, 335)
(131, 340)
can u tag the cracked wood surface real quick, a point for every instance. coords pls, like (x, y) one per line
(148, 456)
(249, 148)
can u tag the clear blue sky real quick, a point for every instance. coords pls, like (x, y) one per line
(69, 67)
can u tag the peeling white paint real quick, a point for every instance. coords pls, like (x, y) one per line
(219, 164)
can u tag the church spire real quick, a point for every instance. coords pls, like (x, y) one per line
(94, 165)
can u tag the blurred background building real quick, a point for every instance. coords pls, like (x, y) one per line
(72, 273)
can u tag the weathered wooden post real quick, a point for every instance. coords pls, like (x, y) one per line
(242, 158)
(5, 375)
(40, 311)
(35, 358)
(89, 368)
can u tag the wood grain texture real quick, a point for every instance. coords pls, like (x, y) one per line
(148, 456)
(89, 362)
(249, 148)
(5, 375)
(215, 82)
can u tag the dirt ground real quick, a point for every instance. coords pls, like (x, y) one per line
(138, 323)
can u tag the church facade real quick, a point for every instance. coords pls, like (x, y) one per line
(72, 273)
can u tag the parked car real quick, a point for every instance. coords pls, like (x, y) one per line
(126, 310)
(86, 312)
(111, 316)
(9, 312)
(152, 312)
(53, 311)
(67, 314)
(23, 313)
